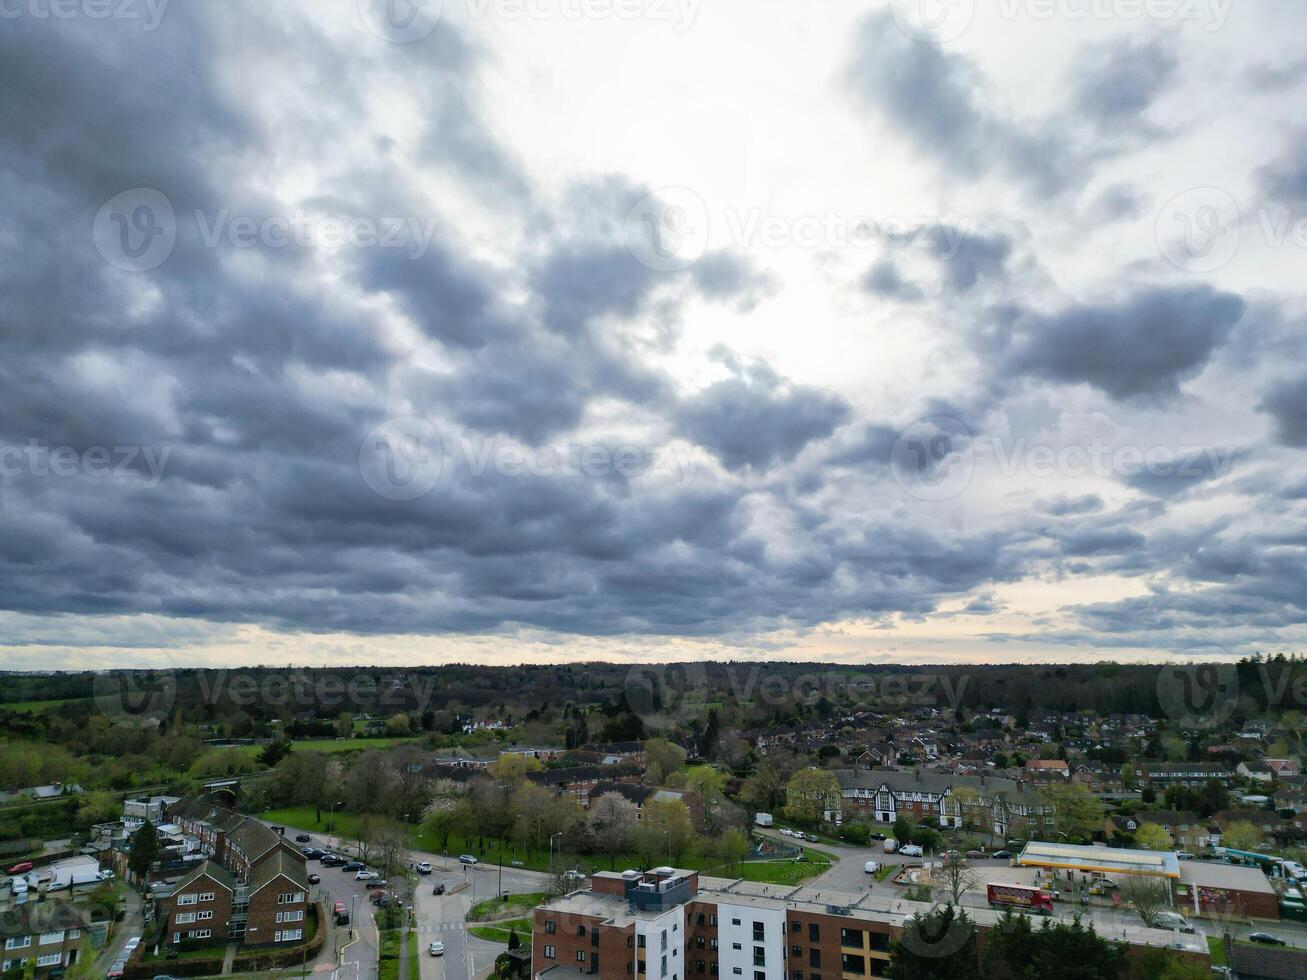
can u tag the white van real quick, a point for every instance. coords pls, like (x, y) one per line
(871, 867)
(891, 845)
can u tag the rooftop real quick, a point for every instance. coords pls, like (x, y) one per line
(1107, 860)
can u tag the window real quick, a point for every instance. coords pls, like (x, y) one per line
(712, 968)
(74, 933)
(184, 918)
(287, 936)
(814, 933)
(580, 956)
(640, 941)
(712, 943)
(551, 926)
(51, 937)
(701, 966)
(290, 898)
(630, 941)
(759, 975)
(199, 934)
(851, 937)
(712, 920)
(204, 897)
(759, 931)
(700, 942)
(737, 946)
(759, 956)
(187, 899)
(814, 957)
(50, 959)
(208, 914)
(796, 951)
(664, 967)
(735, 922)
(880, 942)
(853, 963)
(794, 925)
(594, 937)
(664, 942)
(737, 971)
(549, 952)
(580, 930)
(700, 918)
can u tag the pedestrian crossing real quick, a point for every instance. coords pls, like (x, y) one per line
(434, 927)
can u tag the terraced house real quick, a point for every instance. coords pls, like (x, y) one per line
(253, 886)
(48, 935)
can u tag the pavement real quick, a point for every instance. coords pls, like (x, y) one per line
(439, 917)
(133, 924)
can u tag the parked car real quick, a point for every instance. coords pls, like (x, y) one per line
(911, 850)
(1002, 855)
(439, 889)
(1266, 939)
(341, 911)
(1166, 919)
(975, 854)
(104, 874)
(117, 969)
(1186, 856)
(871, 867)
(315, 878)
(332, 860)
(354, 866)
(517, 864)
(573, 875)
(366, 875)
(466, 859)
(436, 949)
(311, 853)
(303, 838)
(424, 867)
(810, 838)
(890, 845)
(877, 835)
(22, 867)
(375, 883)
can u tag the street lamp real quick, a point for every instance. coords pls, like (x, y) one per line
(551, 856)
(331, 815)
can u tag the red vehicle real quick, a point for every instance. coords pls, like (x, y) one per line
(22, 867)
(1024, 897)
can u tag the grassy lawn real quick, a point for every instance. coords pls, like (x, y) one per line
(414, 964)
(786, 872)
(498, 933)
(885, 872)
(1216, 946)
(29, 707)
(388, 955)
(493, 908)
(352, 744)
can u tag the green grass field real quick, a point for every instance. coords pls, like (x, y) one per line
(493, 908)
(29, 707)
(499, 932)
(332, 745)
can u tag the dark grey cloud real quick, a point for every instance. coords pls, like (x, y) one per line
(1117, 83)
(1285, 180)
(1286, 403)
(1142, 346)
(883, 279)
(756, 419)
(1088, 503)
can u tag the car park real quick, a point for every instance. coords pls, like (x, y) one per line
(466, 859)
(436, 949)
(424, 867)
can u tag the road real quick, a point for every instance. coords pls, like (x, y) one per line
(439, 917)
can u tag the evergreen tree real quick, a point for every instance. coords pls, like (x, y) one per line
(144, 850)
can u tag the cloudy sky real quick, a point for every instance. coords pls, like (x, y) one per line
(532, 330)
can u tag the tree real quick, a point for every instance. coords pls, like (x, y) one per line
(661, 758)
(1129, 776)
(344, 725)
(100, 806)
(734, 846)
(1077, 813)
(612, 817)
(940, 945)
(1069, 951)
(1242, 836)
(1153, 837)
(710, 785)
(1148, 895)
(810, 793)
(144, 850)
(1153, 963)
(903, 829)
(398, 725)
(956, 878)
(664, 833)
(511, 767)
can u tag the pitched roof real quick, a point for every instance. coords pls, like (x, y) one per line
(210, 869)
(279, 862)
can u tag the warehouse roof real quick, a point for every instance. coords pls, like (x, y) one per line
(1108, 860)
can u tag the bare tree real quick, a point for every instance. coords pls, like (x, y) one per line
(956, 878)
(1149, 896)
(611, 819)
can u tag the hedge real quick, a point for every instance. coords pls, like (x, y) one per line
(271, 959)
